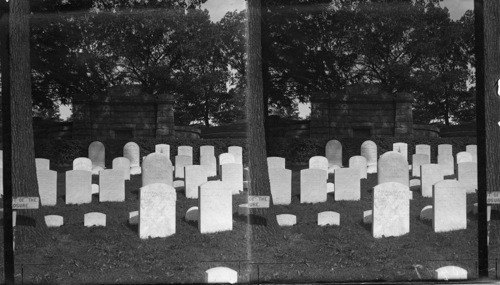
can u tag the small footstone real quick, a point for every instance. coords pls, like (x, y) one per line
(179, 184)
(328, 218)
(95, 219)
(192, 214)
(221, 275)
(330, 187)
(54, 221)
(286, 220)
(426, 213)
(367, 217)
(95, 189)
(450, 273)
(133, 218)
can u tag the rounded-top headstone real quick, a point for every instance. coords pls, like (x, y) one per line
(82, 163)
(369, 151)
(464, 156)
(333, 153)
(97, 154)
(318, 162)
(221, 275)
(123, 164)
(359, 162)
(393, 167)
(192, 214)
(131, 151)
(157, 168)
(426, 213)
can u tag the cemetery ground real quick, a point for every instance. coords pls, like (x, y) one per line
(304, 252)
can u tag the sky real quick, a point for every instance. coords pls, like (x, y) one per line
(218, 8)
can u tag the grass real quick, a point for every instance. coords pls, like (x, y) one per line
(307, 252)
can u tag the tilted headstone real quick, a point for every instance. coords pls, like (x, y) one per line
(447, 164)
(333, 153)
(209, 162)
(157, 168)
(450, 206)
(54, 221)
(450, 273)
(163, 149)
(94, 219)
(312, 186)
(359, 162)
(472, 149)
(180, 162)
(207, 150)
(157, 211)
(97, 155)
(431, 174)
(464, 156)
(392, 167)
(319, 162)
(445, 149)
(426, 213)
(82, 163)
(131, 151)
(194, 176)
(111, 186)
(347, 184)
(286, 220)
(423, 149)
(215, 204)
(401, 148)
(78, 187)
(328, 218)
(232, 175)
(185, 150)
(275, 162)
(42, 164)
(122, 164)
(369, 151)
(237, 152)
(221, 275)
(47, 186)
(417, 161)
(192, 214)
(391, 209)
(281, 186)
(467, 175)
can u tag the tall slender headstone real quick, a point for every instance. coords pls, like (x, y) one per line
(157, 168)
(194, 176)
(369, 151)
(449, 206)
(430, 175)
(78, 187)
(131, 151)
(215, 207)
(157, 211)
(237, 152)
(281, 185)
(275, 162)
(180, 162)
(313, 185)
(417, 161)
(47, 186)
(393, 167)
(347, 184)
(391, 209)
(97, 155)
(359, 162)
(111, 186)
(122, 164)
(232, 175)
(467, 175)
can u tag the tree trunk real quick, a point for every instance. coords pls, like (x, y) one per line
(30, 229)
(263, 221)
(206, 117)
(266, 77)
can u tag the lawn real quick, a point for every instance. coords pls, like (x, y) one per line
(307, 252)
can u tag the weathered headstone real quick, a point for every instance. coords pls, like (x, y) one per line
(401, 148)
(472, 149)
(82, 163)
(445, 149)
(163, 149)
(426, 213)
(467, 175)
(347, 184)
(94, 219)
(207, 150)
(47, 186)
(237, 152)
(194, 176)
(185, 150)
(312, 186)
(232, 175)
(275, 162)
(369, 151)
(447, 164)
(131, 151)
(215, 204)
(431, 174)
(78, 187)
(182, 161)
(423, 149)
(111, 186)
(391, 209)
(221, 275)
(449, 206)
(286, 220)
(209, 162)
(450, 273)
(328, 218)
(97, 155)
(157, 168)
(333, 153)
(417, 161)
(122, 164)
(281, 185)
(359, 162)
(42, 164)
(192, 214)
(464, 156)
(54, 221)
(157, 211)
(392, 167)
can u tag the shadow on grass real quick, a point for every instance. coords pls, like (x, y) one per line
(192, 223)
(426, 222)
(367, 227)
(25, 221)
(135, 192)
(252, 219)
(134, 228)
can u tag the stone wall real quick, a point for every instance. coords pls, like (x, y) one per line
(361, 111)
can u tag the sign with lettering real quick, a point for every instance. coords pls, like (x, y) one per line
(258, 201)
(25, 203)
(493, 197)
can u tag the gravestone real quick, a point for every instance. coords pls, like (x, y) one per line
(194, 176)
(472, 149)
(182, 161)
(226, 158)
(275, 162)
(392, 167)
(42, 164)
(415, 183)
(94, 219)
(328, 218)
(122, 164)
(368, 217)
(163, 149)
(333, 153)
(312, 186)
(133, 218)
(95, 189)
(179, 185)
(237, 152)
(157, 210)
(54, 221)
(281, 185)
(215, 204)
(447, 164)
(391, 209)
(97, 155)
(221, 275)
(431, 174)
(209, 162)
(78, 187)
(82, 163)
(111, 186)
(232, 175)
(286, 220)
(192, 214)
(185, 150)
(369, 151)
(347, 184)
(464, 156)
(423, 149)
(467, 175)
(207, 150)
(157, 168)
(319, 162)
(445, 149)
(450, 206)
(450, 273)
(417, 161)
(330, 188)
(401, 148)
(47, 186)
(131, 151)
(359, 162)
(426, 213)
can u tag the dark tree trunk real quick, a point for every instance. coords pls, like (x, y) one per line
(206, 117)
(262, 220)
(31, 229)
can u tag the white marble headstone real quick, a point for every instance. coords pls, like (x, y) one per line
(131, 151)
(163, 149)
(467, 175)
(333, 153)
(237, 152)
(281, 186)
(82, 163)
(286, 220)
(359, 162)
(450, 206)
(369, 151)
(275, 162)
(157, 168)
(194, 176)
(312, 186)
(185, 150)
(157, 211)
(226, 157)
(192, 214)
(319, 162)
(209, 162)
(431, 174)
(423, 149)
(347, 184)
(401, 148)
(392, 167)
(97, 154)
(42, 164)
(180, 162)
(445, 149)
(328, 218)
(207, 150)
(78, 187)
(472, 149)
(464, 156)
(447, 164)
(391, 209)
(450, 273)
(215, 204)
(417, 161)
(221, 275)
(94, 219)
(111, 186)
(47, 186)
(122, 164)
(232, 175)
(54, 221)
(426, 213)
